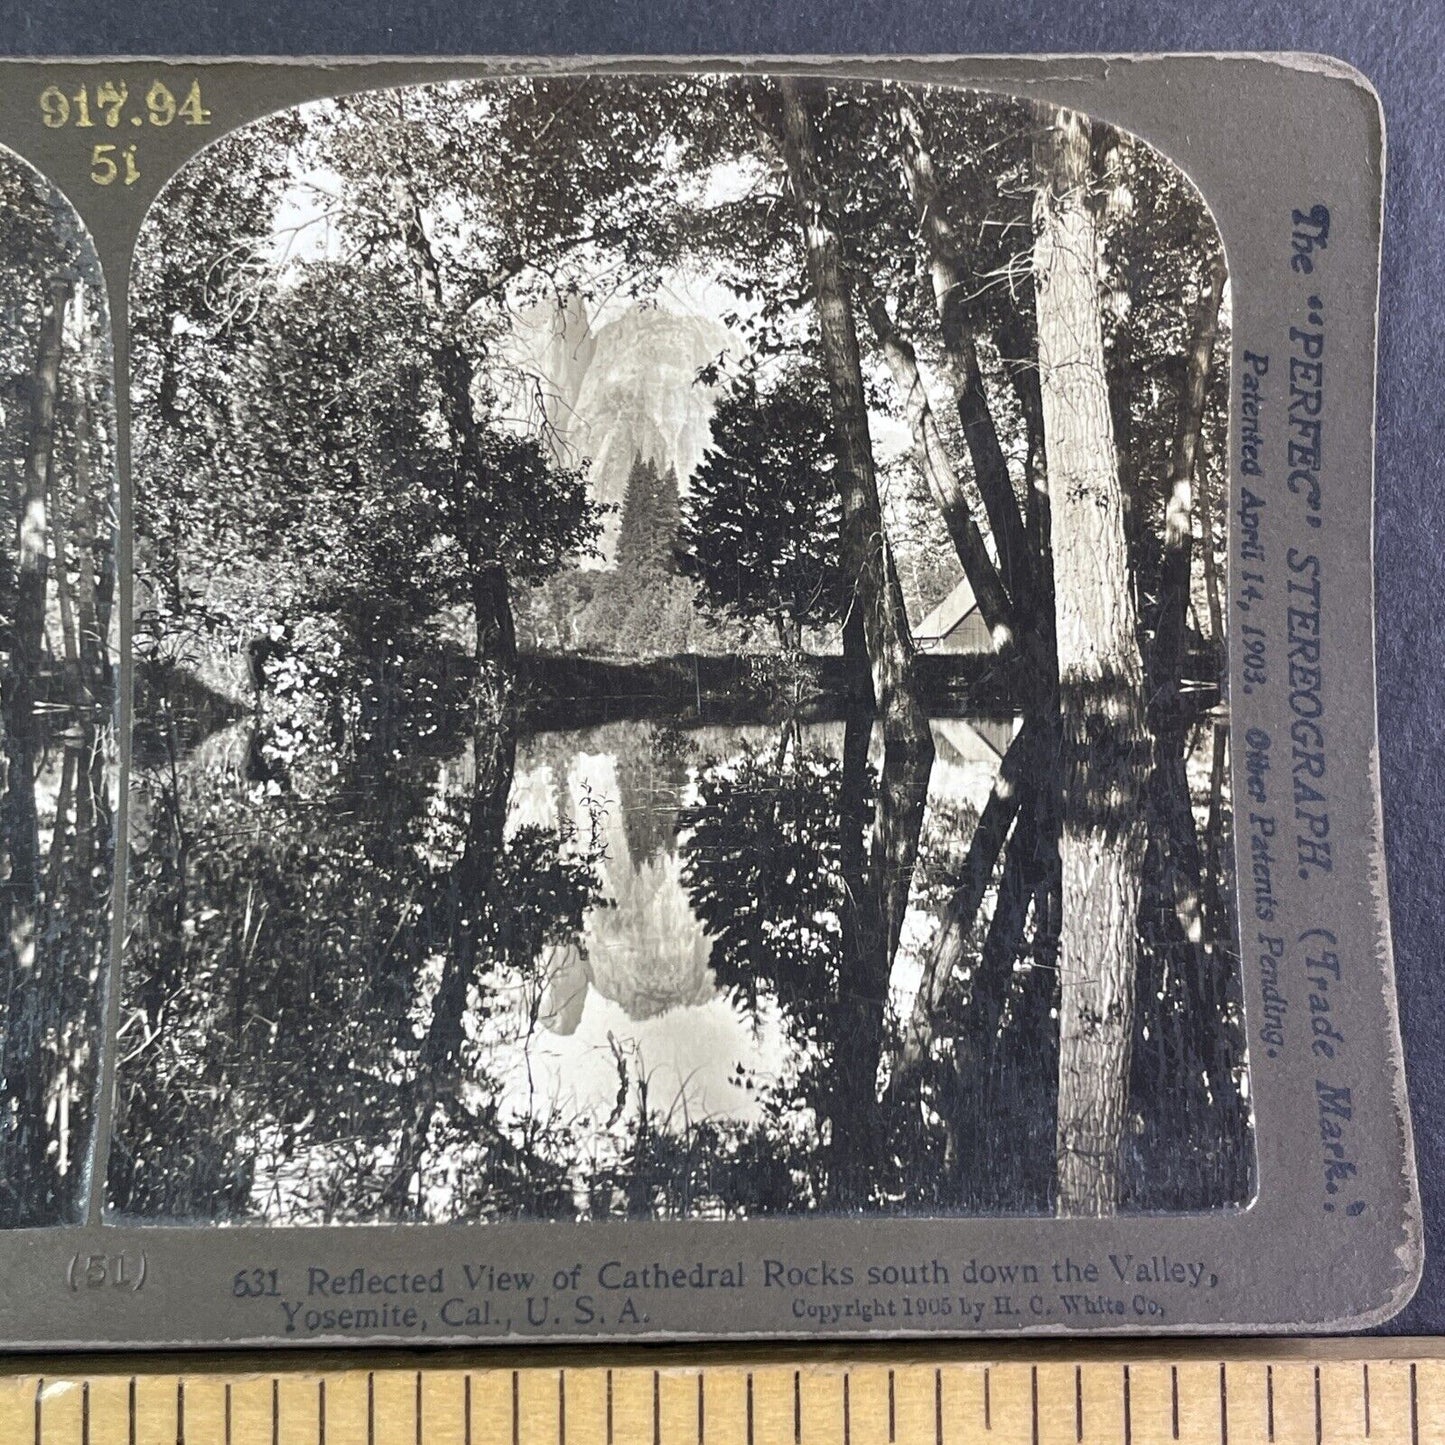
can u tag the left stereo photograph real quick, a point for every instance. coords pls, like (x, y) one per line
(58, 678)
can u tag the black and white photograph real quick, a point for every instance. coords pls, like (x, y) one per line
(679, 635)
(57, 695)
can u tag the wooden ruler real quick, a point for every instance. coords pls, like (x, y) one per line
(1302, 1393)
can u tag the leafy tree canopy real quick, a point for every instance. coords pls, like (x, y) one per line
(760, 525)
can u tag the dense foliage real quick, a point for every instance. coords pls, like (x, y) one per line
(760, 530)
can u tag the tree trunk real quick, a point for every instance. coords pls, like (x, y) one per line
(496, 627)
(171, 568)
(942, 481)
(856, 1023)
(1110, 147)
(876, 887)
(946, 957)
(1016, 349)
(69, 633)
(876, 593)
(990, 465)
(990, 468)
(1174, 589)
(28, 631)
(1212, 588)
(1188, 1105)
(92, 643)
(466, 906)
(1217, 919)
(1103, 749)
(456, 375)
(981, 1050)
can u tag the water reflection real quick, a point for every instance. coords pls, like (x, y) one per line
(679, 1000)
(637, 969)
(637, 989)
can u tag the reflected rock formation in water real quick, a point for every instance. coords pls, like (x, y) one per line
(646, 951)
(643, 948)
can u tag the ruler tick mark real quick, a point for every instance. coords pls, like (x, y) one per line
(987, 1401)
(750, 1407)
(609, 1407)
(892, 1412)
(467, 1408)
(39, 1396)
(1414, 1407)
(180, 1412)
(130, 1413)
(516, 1409)
(1319, 1412)
(370, 1408)
(1269, 1398)
(1034, 1403)
(656, 1408)
(1223, 1406)
(1078, 1402)
(938, 1406)
(1174, 1401)
(701, 1411)
(321, 1411)
(847, 1414)
(85, 1413)
(227, 1413)
(418, 1409)
(1367, 1399)
(797, 1407)
(1128, 1411)
(561, 1408)
(275, 1411)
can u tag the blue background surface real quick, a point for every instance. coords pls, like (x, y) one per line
(1398, 45)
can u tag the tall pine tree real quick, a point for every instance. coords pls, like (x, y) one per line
(644, 607)
(651, 515)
